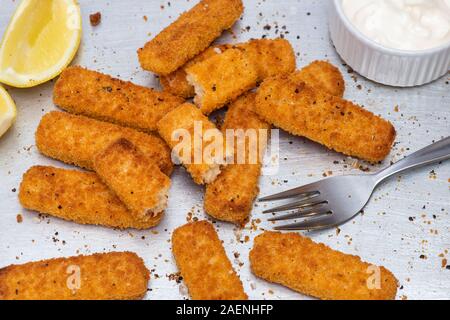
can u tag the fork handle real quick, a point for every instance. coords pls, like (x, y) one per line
(436, 152)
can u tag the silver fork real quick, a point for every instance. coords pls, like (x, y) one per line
(334, 201)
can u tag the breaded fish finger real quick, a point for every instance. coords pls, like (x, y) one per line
(176, 82)
(222, 78)
(270, 56)
(230, 197)
(188, 120)
(324, 76)
(332, 121)
(102, 97)
(134, 178)
(316, 270)
(77, 139)
(189, 35)
(77, 196)
(204, 265)
(101, 276)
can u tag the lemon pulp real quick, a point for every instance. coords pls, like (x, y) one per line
(7, 111)
(41, 40)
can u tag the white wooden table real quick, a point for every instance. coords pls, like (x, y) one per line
(413, 250)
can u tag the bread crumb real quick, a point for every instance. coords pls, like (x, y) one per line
(95, 19)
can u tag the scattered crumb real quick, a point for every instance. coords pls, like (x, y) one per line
(19, 218)
(175, 277)
(433, 175)
(338, 231)
(95, 19)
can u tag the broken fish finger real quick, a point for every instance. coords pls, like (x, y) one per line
(186, 130)
(101, 276)
(96, 95)
(176, 82)
(134, 178)
(230, 197)
(77, 139)
(77, 196)
(221, 79)
(270, 56)
(317, 270)
(189, 35)
(341, 125)
(204, 265)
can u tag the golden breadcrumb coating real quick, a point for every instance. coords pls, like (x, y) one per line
(204, 265)
(316, 270)
(176, 82)
(186, 118)
(270, 56)
(101, 276)
(189, 35)
(322, 75)
(77, 139)
(332, 121)
(77, 196)
(134, 178)
(222, 78)
(230, 197)
(102, 97)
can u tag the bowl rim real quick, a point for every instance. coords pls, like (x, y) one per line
(375, 45)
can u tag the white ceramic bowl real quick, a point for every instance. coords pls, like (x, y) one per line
(392, 67)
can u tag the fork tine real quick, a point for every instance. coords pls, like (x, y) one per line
(317, 224)
(302, 214)
(302, 204)
(301, 191)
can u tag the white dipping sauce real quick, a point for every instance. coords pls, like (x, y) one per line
(402, 24)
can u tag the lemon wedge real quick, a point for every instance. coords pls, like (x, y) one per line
(42, 38)
(7, 111)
